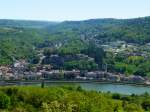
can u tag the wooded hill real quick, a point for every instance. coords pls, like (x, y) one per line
(18, 38)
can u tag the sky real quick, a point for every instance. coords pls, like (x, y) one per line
(60, 10)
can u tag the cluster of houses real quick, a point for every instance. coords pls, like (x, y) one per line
(111, 77)
(129, 49)
(19, 72)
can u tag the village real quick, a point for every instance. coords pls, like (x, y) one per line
(44, 72)
(19, 70)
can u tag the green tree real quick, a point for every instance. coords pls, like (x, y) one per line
(4, 101)
(49, 51)
(95, 52)
(146, 105)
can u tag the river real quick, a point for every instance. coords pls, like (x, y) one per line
(113, 88)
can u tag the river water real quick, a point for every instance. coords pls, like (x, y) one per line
(113, 88)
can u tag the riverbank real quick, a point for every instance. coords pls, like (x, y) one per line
(18, 82)
(112, 87)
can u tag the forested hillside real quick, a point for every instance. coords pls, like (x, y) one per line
(25, 23)
(18, 43)
(131, 30)
(25, 39)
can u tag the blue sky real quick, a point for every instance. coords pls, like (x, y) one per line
(59, 10)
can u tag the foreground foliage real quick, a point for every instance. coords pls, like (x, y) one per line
(68, 99)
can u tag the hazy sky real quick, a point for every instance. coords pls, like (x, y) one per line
(59, 10)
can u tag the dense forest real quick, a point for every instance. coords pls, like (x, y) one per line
(131, 30)
(69, 99)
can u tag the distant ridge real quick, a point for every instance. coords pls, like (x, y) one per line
(25, 23)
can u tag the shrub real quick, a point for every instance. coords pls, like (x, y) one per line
(133, 108)
(4, 101)
(146, 105)
(116, 96)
